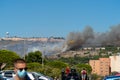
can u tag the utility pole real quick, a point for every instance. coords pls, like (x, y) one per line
(24, 48)
(43, 59)
(43, 55)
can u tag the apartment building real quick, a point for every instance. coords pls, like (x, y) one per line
(95, 66)
(101, 66)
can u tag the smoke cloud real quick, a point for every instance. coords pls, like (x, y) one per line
(89, 38)
(47, 48)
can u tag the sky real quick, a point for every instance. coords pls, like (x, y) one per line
(45, 18)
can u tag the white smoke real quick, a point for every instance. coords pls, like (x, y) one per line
(47, 48)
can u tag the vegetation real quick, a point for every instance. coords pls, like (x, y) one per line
(57, 64)
(95, 77)
(34, 66)
(86, 66)
(53, 67)
(34, 57)
(8, 57)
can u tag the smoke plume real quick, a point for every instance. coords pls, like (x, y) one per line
(89, 38)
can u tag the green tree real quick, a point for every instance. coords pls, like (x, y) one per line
(34, 66)
(34, 57)
(56, 72)
(57, 64)
(86, 66)
(76, 60)
(8, 57)
(95, 77)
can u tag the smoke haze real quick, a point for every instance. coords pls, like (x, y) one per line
(74, 40)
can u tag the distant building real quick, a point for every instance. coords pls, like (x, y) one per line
(101, 66)
(68, 54)
(88, 48)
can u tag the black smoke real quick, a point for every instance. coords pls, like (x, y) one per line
(89, 38)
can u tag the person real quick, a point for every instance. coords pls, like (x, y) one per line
(20, 69)
(63, 76)
(67, 70)
(83, 74)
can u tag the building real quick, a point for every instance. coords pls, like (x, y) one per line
(101, 66)
(95, 66)
(115, 63)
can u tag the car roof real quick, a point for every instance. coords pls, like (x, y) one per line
(111, 77)
(38, 73)
(7, 70)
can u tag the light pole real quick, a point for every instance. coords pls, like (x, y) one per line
(24, 48)
(43, 55)
(24, 44)
(42, 59)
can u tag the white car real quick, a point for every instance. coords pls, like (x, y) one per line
(39, 76)
(8, 73)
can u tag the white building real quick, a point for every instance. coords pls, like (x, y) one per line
(115, 63)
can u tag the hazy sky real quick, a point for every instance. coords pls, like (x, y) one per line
(45, 18)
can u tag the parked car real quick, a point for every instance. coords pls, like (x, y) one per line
(8, 74)
(112, 78)
(39, 76)
(1, 77)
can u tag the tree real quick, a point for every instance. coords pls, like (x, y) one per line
(95, 77)
(34, 57)
(8, 57)
(56, 72)
(34, 66)
(56, 67)
(86, 66)
(57, 64)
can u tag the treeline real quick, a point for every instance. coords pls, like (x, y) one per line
(36, 62)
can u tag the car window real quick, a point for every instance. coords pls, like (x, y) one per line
(9, 73)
